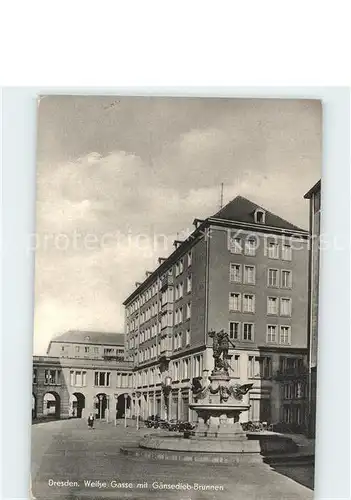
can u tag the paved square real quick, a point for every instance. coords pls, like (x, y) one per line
(70, 461)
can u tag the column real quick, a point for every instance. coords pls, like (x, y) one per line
(180, 417)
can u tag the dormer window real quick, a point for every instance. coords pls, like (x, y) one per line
(260, 216)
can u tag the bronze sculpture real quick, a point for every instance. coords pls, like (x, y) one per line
(221, 344)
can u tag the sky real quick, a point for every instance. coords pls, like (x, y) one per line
(119, 178)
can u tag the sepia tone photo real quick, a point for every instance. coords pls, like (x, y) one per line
(176, 298)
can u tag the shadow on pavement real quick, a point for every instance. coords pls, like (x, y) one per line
(302, 474)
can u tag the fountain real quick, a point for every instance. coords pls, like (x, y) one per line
(218, 435)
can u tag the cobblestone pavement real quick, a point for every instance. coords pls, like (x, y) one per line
(68, 451)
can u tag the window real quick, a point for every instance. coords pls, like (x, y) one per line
(271, 333)
(78, 378)
(86, 349)
(235, 273)
(102, 379)
(197, 366)
(77, 348)
(235, 365)
(248, 331)
(180, 315)
(188, 310)
(273, 250)
(249, 303)
(286, 252)
(96, 350)
(186, 370)
(234, 244)
(187, 337)
(286, 279)
(176, 370)
(260, 367)
(181, 266)
(272, 305)
(273, 278)
(250, 247)
(260, 217)
(234, 330)
(285, 307)
(52, 377)
(234, 302)
(285, 335)
(188, 284)
(249, 275)
(177, 269)
(181, 288)
(265, 364)
(251, 367)
(189, 258)
(35, 376)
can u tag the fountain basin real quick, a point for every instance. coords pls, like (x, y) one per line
(252, 444)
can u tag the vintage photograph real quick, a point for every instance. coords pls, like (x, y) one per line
(176, 297)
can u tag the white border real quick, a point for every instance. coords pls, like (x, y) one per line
(19, 134)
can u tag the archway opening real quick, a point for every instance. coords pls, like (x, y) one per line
(77, 404)
(123, 406)
(52, 405)
(100, 405)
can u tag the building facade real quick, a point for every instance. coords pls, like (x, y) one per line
(314, 197)
(242, 270)
(83, 373)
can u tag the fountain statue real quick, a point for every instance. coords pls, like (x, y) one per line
(217, 402)
(218, 435)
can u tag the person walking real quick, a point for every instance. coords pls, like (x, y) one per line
(91, 421)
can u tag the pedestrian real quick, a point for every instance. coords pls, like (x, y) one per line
(91, 421)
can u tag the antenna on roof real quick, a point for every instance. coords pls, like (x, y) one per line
(221, 202)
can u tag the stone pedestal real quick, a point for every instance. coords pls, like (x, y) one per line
(218, 411)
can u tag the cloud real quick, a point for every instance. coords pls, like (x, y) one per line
(131, 208)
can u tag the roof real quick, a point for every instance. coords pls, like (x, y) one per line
(241, 209)
(87, 337)
(313, 190)
(238, 210)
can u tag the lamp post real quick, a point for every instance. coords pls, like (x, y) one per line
(137, 395)
(96, 402)
(100, 405)
(107, 410)
(116, 399)
(125, 410)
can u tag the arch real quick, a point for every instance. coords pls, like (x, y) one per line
(100, 405)
(51, 405)
(123, 405)
(34, 406)
(77, 404)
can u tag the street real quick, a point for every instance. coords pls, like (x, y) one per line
(70, 461)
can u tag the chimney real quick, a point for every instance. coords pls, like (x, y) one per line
(137, 284)
(176, 243)
(197, 222)
(161, 259)
(148, 273)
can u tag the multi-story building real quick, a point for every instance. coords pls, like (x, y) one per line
(82, 373)
(314, 195)
(88, 345)
(242, 270)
